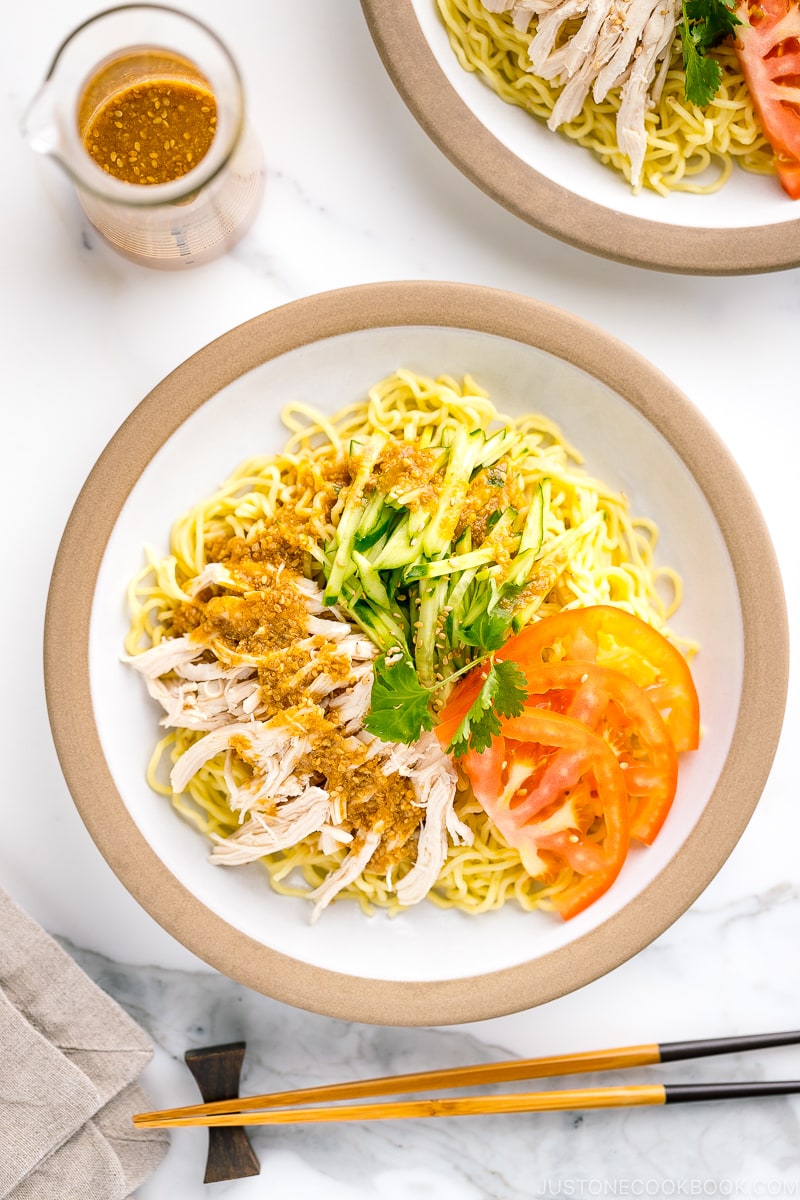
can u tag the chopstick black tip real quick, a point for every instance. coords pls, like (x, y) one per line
(674, 1051)
(682, 1093)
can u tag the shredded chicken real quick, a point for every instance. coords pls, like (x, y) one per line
(274, 747)
(618, 43)
(355, 862)
(287, 721)
(194, 694)
(292, 821)
(434, 779)
(522, 11)
(199, 695)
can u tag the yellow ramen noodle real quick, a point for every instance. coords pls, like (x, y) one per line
(295, 491)
(689, 149)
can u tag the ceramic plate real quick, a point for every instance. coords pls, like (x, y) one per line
(427, 966)
(750, 225)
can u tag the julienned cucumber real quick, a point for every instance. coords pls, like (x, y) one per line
(404, 562)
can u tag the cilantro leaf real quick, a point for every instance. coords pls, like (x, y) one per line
(488, 631)
(712, 20)
(400, 705)
(703, 75)
(705, 24)
(503, 695)
(512, 691)
(399, 709)
(480, 724)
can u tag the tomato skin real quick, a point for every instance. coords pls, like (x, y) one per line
(460, 702)
(485, 771)
(596, 773)
(768, 49)
(578, 631)
(608, 703)
(789, 175)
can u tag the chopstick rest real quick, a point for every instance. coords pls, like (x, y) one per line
(217, 1070)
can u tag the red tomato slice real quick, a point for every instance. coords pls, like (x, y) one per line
(584, 823)
(768, 48)
(593, 759)
(615, 638)
(615, 708)
(620, 712)
(619, 640)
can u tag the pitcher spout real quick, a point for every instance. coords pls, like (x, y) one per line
(39, 123)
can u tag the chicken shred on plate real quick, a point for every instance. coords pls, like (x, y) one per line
(280, 685)
(622, 44)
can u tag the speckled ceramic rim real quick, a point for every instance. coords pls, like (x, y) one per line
(495, 169)
(67, 640)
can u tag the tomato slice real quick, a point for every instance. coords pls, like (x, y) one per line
(768, 48)
(615, 638)
(574, 816)
(622, 714)
(593, 760)
(615, 708)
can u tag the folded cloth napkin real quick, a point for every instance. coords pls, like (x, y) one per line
(69, 1058)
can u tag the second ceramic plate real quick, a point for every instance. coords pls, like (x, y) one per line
(750, 225)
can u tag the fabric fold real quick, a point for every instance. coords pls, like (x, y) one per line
(69, 1059)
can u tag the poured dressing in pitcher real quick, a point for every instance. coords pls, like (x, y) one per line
(148, 117)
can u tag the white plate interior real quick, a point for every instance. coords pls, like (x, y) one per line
(620, 446)
(745, 201)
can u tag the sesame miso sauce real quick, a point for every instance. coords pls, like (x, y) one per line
(148, 117)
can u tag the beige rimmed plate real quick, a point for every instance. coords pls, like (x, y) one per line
(638, 432)
(749, 226)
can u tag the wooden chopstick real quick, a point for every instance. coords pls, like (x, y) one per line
(520, 1102)
(422, 1081)
(471, 1076)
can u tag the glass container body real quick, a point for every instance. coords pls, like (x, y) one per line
(183, 221)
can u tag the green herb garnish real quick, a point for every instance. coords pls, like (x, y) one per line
(399, 709)
(503, 695)
(705, 24)
(489, 629)
(400, 705)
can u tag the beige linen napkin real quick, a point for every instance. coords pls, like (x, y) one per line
(69, 1058)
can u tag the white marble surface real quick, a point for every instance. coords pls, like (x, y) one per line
(356, 192)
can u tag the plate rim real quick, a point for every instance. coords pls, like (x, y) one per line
(168, 406)
(539, 201)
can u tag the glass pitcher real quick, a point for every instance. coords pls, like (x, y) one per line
(149, 54)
